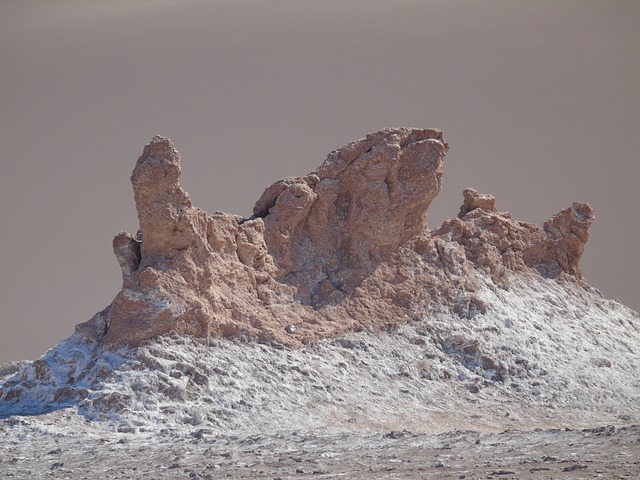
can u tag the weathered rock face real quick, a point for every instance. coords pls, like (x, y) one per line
(473, 199)
(567, 233)
(343, 248)
(329, 230)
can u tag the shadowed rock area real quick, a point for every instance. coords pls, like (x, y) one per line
(343, 248)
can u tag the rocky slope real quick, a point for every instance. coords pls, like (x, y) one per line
(334, 308)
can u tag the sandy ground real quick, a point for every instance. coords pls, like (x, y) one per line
(32, 449)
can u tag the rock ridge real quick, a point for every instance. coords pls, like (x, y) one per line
(344, 248)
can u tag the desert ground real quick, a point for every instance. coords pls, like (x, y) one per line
(606, 452)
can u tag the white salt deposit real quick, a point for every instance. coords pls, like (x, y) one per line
(543, 354)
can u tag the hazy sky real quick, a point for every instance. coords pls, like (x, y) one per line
(540, 102)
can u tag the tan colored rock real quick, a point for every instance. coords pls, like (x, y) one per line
(473, 199)
(495, 242)
(196, 274)
(329, 230)
(567, 233)
(344, 248)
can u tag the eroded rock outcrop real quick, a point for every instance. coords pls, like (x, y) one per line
(567, 233)
(344, 248)
(473, 199)
(328, 231)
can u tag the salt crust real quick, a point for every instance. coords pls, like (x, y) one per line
(545, 353)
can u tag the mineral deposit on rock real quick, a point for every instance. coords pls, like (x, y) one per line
(343, 248)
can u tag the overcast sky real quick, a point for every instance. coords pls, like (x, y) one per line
(538, 100)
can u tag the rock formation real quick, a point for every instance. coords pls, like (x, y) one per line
(343, 248)
(329, 230)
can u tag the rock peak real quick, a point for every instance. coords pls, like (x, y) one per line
(160, 200)
(343, 248)
(473, 199)
(330, 229)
